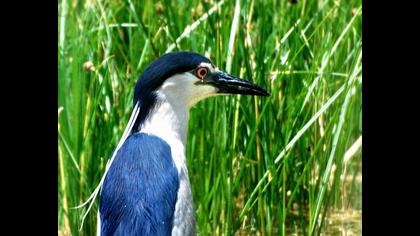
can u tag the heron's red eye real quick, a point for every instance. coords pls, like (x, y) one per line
(201, 72)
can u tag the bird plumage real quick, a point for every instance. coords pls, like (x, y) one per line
(141, 189)
(127, 205)
(146, 189)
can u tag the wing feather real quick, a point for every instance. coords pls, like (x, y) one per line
(140, 190)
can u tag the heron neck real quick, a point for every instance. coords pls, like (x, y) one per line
(168, 120)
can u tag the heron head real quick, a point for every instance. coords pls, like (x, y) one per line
(185, 78)
(191, 78)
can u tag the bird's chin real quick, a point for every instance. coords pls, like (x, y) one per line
(196, 100)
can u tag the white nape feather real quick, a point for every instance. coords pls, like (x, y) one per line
(127, 131)
(98, 223)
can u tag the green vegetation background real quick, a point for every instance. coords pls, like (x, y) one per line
(270, 166)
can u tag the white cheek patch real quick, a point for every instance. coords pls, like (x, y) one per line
(182, 89)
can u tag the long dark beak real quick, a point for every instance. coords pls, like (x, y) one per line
(229, 84)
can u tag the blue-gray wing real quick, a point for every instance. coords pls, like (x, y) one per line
(140, 190)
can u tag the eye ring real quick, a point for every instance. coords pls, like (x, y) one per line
(201, 72)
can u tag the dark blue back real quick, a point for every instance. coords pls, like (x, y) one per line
(140, 190)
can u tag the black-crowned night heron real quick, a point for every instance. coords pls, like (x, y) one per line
(146, 189)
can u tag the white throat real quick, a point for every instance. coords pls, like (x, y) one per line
(169, 122)
(169, 119)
